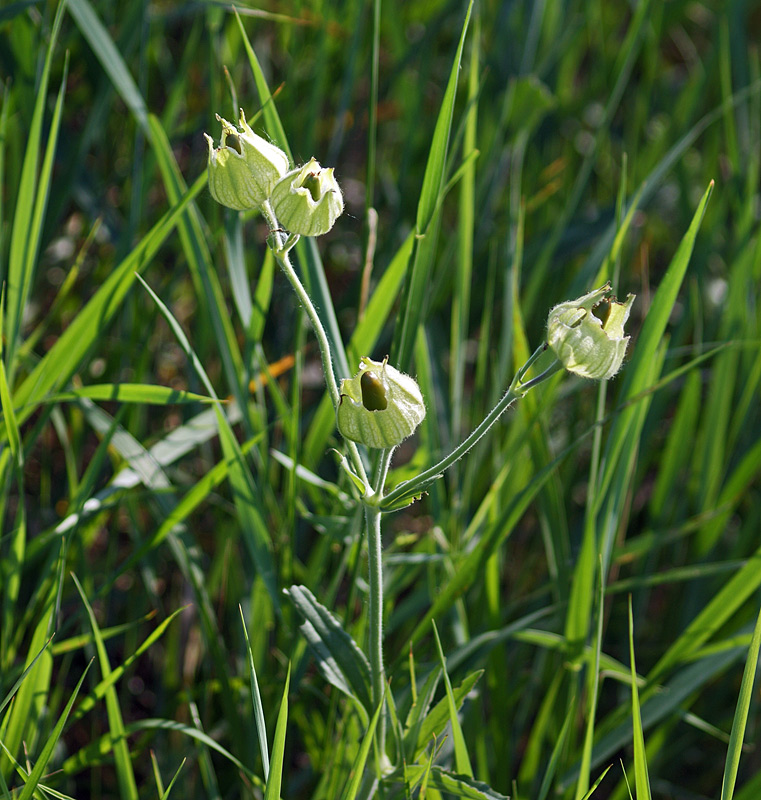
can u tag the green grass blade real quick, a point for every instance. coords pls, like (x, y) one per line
(24, 715)
(110, 58)
(411, 312)
(245, 494)
(99, 691)
(200, 261)
(427, 727)
(165, 795)
(30, 204)
(256, 701)
(593, 688)
(272, 791)
(130, 393)
(462, 759)
(635, 374)
(87, 328)
(35, 776)
(124, 772)
(734, 751)
(640, 757)
(556, 753)
(9, 416)
(358, 767)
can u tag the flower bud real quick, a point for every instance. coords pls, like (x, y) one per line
(585, 343)
(380, 406)
(244, 169)
(308, 200)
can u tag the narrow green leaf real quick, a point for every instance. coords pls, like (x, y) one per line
(431, 725)
(635, 373)
(124, 772)
(418, 278)
(88, 327)
(256, 701)
(462, 759)
(99, 691)
(110, 58)
(640, 755)
(30, 203)
(339, 658)
(176, 775)
(32, 782)
(272, 791)
(358, 767)
(734, 751)
(453, 784)
(144, 393)
(11, 424)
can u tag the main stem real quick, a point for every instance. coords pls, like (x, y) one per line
(378, 678)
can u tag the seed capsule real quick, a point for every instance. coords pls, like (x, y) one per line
(380, 406)
(373, 392)
(584, 343)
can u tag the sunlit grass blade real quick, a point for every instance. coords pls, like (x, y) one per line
(358, 767)
(256, 701)
(245, 494)
(640, 757)
(593, 684)
(462, 759)
(124, 771)
(24, 715)
(165, 795)
(734, 751)
(635, 373)
(85, 330)
(32, 782)
(130, 393)
(418, 277)
(28, 217)
(99, 691)
(110, 58)
(274, 781)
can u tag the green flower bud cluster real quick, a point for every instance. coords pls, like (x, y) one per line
(380, 406)
(583, 342)
(245, 171)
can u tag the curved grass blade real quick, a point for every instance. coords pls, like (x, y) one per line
(110, 59)
(247, 501)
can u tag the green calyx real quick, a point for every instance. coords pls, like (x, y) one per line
(586, 344)
(380, 406)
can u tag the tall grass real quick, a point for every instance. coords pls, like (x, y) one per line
(572, 610)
